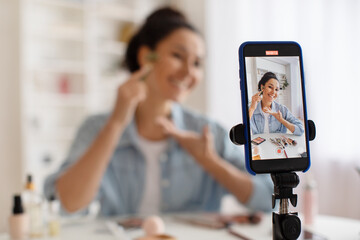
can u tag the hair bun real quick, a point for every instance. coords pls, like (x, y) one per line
(166, 14)
(157, 26)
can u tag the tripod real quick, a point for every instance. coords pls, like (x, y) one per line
(286, 225)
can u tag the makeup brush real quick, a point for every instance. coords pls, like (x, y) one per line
(273, 141)
(290, 141)
(293, 141)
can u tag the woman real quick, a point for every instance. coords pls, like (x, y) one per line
(270, 116)
(150, 154)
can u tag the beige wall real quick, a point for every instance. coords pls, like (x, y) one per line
(10, 131)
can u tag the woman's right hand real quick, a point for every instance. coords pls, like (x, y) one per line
(129, 94)
(91, 166)
(255, 100)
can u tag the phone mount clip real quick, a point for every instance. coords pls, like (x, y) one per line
(237, 133)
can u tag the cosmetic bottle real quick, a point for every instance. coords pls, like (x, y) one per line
(18, 221)
(33, 203)
(310, 201)
(53, 217)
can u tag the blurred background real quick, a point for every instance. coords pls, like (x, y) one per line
(60, 61)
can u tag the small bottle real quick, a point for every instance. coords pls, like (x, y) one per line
(18, 221)
(310, 202)
(33, 203)
(53, 217)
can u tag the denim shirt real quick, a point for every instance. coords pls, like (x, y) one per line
(257, 122)
(185, 186)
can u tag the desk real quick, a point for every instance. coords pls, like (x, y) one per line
(268, 150)
(334, 228)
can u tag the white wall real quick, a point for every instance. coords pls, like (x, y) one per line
(10, 139)
(329, 36)
(195, 12)
(223, 89)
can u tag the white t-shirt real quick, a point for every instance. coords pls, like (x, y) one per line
(266, 119)
(152, 151)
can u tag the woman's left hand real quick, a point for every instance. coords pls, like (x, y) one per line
(277, 114)
(200, 146)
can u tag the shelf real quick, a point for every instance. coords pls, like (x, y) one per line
(114, 11)
(61, 100)
(67, 4)
(60, 35)
(60, 66)
(112, 47)
(61, 135)
(113, 79)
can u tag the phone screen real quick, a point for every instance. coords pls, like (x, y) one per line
(272, 81)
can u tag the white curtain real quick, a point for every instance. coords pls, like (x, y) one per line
(329, 33)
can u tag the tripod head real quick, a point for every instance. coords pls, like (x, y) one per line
(283, 187)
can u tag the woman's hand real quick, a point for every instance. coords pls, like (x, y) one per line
(279, 117)
(200, 146)
(255, 100)
(277, 114)
(129, 94)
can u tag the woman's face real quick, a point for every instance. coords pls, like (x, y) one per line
(271, 90)
(178, 68)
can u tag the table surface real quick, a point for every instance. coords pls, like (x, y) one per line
(334, 228)
(268, 150)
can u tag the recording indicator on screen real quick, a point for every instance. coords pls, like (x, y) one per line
(272, 52)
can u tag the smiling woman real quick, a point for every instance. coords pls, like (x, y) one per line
(263, 106)
(177, 69)
(150, 154)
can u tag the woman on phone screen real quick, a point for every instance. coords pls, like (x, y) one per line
(268, 116)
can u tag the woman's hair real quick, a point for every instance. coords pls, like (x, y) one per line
(157, 26)
(267, 76)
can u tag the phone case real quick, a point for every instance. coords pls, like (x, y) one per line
(244, 100)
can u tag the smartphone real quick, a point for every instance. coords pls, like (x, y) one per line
(274, 106)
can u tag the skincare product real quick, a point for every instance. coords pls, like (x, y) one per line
(33, 203)
(310, 202)
(53, 217)
(18, 221)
